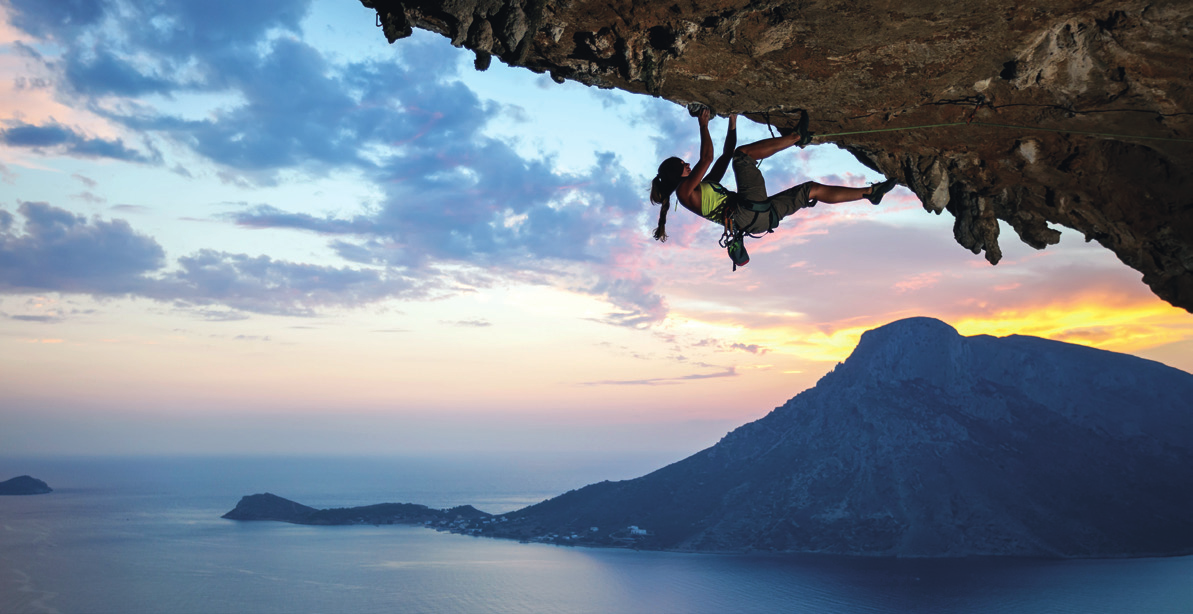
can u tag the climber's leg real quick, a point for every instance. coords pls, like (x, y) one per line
(760, 150)
(836, 194)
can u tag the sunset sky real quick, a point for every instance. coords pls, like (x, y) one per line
(232, 227)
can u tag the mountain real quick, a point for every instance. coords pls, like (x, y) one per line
(1046, 113)
(925, 443)
(24, 485)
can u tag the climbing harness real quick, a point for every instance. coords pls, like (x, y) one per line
(733, 236)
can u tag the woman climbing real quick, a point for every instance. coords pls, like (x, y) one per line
(750, 210)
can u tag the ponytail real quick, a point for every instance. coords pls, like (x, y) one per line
(661, 196)
(661, 189)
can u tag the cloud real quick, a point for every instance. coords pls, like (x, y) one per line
(56, 250)
(263, 285)
(45, 19)
(89, 197)
(147, 46)
(471, 323)
(452, 196)
(61, 251)
(43, 319)
(126, 208)
(728, 372)
(456, 196)
(56, 138)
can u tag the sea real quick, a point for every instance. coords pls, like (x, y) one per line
(133, 535)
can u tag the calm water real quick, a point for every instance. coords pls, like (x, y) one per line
(145, 535)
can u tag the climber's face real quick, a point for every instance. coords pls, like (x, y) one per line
(687, 169)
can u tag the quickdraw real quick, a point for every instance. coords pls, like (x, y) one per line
(981, 100)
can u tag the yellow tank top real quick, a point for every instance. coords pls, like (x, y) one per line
(710, 198)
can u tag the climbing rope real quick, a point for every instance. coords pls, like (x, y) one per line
(1012, 126)
(978, 101)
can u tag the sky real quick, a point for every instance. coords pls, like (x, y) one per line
(235, 227)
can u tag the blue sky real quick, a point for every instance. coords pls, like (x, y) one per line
(231, 227)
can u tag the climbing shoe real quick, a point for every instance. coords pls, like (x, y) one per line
(805, 137)
(877, 190)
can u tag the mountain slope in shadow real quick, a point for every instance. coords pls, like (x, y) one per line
(925, 443)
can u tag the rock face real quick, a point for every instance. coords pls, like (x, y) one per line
(24, 485)
(927, 443)
(1082, 112)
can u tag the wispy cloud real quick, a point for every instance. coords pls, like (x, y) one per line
(56, 138)
(470, 323)
(657, 381)
(43, 319)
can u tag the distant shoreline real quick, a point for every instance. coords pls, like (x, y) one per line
(469, 521)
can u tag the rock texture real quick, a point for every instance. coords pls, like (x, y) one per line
(926, 443)
(1097, 96)
(24, 485)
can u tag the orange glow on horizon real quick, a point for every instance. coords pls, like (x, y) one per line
(1091, 320)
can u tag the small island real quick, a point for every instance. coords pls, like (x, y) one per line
(24, 485)
(268, 506)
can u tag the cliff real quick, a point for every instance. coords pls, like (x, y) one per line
(24, 485)
(1056, 112)
(926, 443)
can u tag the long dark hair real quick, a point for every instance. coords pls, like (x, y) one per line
(661, 189)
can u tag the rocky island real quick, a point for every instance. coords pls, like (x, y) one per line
(24, 485)
(923, 443)
(268, 506)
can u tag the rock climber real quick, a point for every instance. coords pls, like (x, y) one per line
(751, 210)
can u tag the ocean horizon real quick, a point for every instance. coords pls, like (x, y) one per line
(144, 534)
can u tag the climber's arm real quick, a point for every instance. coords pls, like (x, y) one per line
(718, 168)
(688, 191)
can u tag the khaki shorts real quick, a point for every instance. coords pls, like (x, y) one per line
(752, 187)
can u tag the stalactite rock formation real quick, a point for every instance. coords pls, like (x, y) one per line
(1052, 113)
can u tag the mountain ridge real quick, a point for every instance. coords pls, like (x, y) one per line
(930, 457)
(923, 443)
